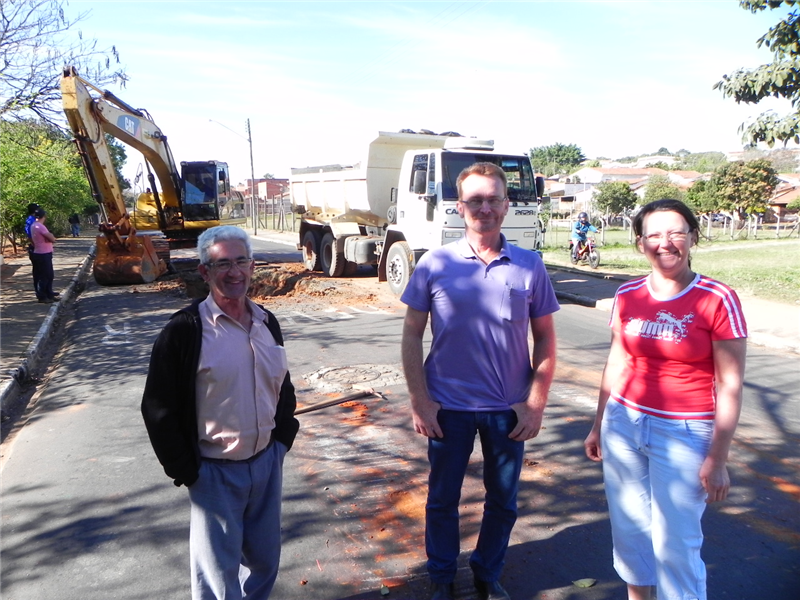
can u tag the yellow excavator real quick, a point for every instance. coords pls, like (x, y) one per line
(187, 203)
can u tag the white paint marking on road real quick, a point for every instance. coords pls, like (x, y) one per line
(372, 310)
(111, 333)
(304, 315)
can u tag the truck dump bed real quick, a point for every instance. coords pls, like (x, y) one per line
(362, 192)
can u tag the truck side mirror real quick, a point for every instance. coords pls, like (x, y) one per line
(420, 182)
(540, 186)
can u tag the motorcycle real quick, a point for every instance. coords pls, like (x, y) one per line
(587, 252)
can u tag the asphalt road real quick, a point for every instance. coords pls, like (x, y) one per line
(88, 513)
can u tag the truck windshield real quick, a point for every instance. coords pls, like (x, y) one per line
(521, 184)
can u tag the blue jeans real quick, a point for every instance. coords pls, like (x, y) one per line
(235, 528)
(449, 457)
(651, 471)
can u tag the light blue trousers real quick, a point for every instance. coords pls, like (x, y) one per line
(651, 470)
(235, 527)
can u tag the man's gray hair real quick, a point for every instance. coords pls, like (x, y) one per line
(223, 233)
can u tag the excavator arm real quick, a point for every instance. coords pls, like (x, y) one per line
(122, 256)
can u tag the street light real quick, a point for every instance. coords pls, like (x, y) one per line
(253, 205)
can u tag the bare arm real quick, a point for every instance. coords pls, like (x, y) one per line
(543, 360)
(615, 365)
(729, 359)
(423, 409)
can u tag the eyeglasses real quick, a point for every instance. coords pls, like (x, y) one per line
(477, 203)
(227, 265)
(672, 236)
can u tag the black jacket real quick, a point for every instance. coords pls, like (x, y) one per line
(168, 403)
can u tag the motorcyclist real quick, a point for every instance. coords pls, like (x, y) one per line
(579, 230)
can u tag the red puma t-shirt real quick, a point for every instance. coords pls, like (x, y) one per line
(669, 370)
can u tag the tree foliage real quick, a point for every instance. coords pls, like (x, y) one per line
(659, 187)
(744, 187)
(780, 78)
(38, 41)
(43, 170)
(702, 198)
(702, 162)
(615, 197)
(557, 158)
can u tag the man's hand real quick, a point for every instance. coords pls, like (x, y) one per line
(529, 422)
(424, 414)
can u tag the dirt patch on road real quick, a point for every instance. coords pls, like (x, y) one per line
(289, 284)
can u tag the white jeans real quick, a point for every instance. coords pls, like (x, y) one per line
(651, 472)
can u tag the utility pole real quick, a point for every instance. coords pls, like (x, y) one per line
(253, 201)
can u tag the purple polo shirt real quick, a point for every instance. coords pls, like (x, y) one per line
(480, 315)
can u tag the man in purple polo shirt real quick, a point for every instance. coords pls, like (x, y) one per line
(482, 295)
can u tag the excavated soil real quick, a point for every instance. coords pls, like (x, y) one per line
(289, 284)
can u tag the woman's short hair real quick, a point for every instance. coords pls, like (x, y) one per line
(665, 205)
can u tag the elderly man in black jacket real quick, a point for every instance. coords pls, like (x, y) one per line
(219, 408)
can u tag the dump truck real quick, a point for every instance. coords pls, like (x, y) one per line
(400, 201)
(189, 201)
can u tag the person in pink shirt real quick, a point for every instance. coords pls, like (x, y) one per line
(669, 404)
(42, 259)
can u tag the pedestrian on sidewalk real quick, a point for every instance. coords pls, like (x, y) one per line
(482, 294)
(42, 259)
(75, 224)
(669, 403)
(219, 409)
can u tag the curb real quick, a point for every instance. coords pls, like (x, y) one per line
(30, 362)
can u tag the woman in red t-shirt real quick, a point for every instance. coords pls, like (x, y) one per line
(668, 406)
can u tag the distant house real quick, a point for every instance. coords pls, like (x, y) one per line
(599, 174)
(783, 195)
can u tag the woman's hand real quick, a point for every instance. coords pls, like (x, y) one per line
(715, 480)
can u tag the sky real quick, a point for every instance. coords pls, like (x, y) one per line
(319, 80)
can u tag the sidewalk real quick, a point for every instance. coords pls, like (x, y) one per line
(26, 324)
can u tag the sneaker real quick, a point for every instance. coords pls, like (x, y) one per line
(441, 591)
(490, 590)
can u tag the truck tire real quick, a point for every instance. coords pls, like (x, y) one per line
(350, 268)
(399, 264)
(331, 260)
(311, 250)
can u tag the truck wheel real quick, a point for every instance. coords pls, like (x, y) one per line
(399, 264)
(332, 261)
(310, 245)
(350, 268)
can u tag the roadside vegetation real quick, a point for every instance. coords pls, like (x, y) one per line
(766, 267)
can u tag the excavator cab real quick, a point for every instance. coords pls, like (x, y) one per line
(187, 203)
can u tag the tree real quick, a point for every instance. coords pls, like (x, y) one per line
(555, 159)
(658, 165)
(780, 78)
(702, 197)
(660, 186)
(42, 170)
(744, 187)
(703, 162)
(615, 197)
(37, 41)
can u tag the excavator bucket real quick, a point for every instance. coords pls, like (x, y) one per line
(138, 263)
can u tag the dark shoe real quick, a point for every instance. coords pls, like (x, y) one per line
(441, 591)
(491, 590)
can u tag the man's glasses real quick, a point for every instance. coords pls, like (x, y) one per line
(227, 265)
(477, 203)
